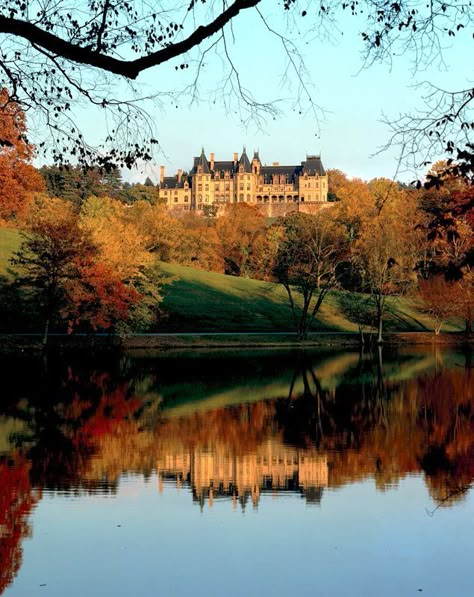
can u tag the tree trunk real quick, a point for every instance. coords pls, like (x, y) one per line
(46, 330)
(468, 328)
(380, 329)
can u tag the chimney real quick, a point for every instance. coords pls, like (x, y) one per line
(162, 174)
(211, 160)
(180, 172)
(236, 157)
(275, 163)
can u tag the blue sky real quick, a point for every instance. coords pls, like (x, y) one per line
(348, 129)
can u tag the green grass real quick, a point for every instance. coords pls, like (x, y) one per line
(9, 243)
(208, 302)
(199, 301)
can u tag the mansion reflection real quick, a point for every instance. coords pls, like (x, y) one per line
(231, 429)
(273, 467)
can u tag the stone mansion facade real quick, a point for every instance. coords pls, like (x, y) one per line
(277, 189)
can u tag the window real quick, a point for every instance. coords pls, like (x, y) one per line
(200, 197)
(176, 199)
(248, 187)
(207, 198)
(199, 187)
(207, 187)
(248, 197)
(185, 198)
(241, 197)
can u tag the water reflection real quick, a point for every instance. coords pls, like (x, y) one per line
(230, 426)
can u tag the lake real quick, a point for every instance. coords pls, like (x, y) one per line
(237, 472)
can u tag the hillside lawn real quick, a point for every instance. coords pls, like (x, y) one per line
(199, 301)
(10, 241)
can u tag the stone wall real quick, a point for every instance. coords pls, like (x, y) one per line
(269, 210)
(278, 210)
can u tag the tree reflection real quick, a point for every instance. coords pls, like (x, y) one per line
(17, 499)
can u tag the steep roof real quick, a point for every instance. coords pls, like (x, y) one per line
(171, 182)
(244, 161)
(223, 166)
(201, 161)
(290, 172)
(313, 165)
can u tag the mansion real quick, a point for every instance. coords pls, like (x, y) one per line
(211, 182)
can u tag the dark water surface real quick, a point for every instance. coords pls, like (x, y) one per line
(237, 473)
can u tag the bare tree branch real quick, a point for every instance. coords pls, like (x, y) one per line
(127, 68)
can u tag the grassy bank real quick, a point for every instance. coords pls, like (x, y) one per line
(9, 242)
(199, 301)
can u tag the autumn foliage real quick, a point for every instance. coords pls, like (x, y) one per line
(18, 178)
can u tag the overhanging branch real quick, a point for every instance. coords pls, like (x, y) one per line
(127, 68)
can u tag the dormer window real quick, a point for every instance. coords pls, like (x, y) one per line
(199, 169)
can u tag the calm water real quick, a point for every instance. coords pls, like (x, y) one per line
(237, 473)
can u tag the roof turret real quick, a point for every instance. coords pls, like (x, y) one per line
(244, 161)
(202, 161)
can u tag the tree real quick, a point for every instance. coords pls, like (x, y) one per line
(53, 252)
(306, 263)
(131, 193)
(18, 178)
(386, 255)
(197, 245)
(156, 228)
(336, 180)
(448, 224)
(355, 206)
(240, 229)
(439, 299)
(57, 55)
(99, 299)
(449, 228)
(120, 246)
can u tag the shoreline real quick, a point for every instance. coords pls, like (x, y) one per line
(10, 343)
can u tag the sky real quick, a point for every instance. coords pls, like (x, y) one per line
(346, 130)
